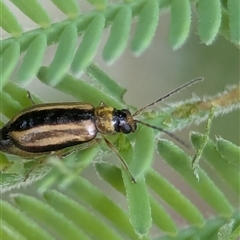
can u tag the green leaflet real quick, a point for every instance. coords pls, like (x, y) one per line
(138, 204)
(11, 106)
(107, 83)
(180, 23)
(208, 231)
(88, 47)
(143, 152)
(209, 14)
(49, 217)
(236, 232)
(9, 233)
(32, 59)
(80, 89)
(174, 198)
(65, 172)
(137, 196)
(230, 152)
(213, 157)
(8, 61)
(119, 35)
(181, 163)
(160, 217)
(99, 4)
(9, 22)
(70, 7)
(15, 99)
(92, 225)
(147, 24)
(3, 161)
(100, 202)
(34, 11)
(21, 223)
(63, 56)
(224, 29)
(234, 20)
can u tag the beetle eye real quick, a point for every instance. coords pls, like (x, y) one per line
(126, 128)
(121, 121)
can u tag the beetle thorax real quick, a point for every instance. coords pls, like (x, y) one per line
(104, 119)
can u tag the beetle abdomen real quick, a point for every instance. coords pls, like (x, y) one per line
(45, 131)
(53, 137)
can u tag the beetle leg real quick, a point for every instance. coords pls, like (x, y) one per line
(124, 164)
(63, 153)
(8, 165)
(30, 98)
(39, 162)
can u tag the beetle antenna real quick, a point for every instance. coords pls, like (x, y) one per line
(162, 130)
(169, 94)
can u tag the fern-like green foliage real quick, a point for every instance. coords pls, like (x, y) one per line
(77, 209)
(214, 17)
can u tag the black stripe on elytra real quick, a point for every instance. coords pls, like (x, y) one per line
(50, 117)
(48, 148)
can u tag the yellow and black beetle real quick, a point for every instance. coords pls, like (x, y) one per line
(51, 127)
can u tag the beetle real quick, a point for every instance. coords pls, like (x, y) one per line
(50, 128)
